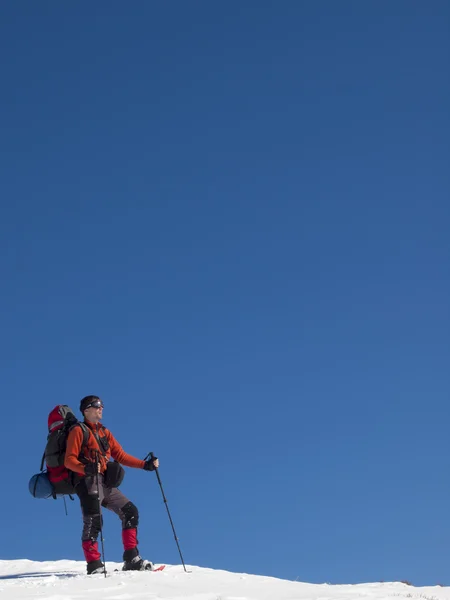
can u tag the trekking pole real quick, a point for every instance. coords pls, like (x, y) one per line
(151, 455)
(100, 512)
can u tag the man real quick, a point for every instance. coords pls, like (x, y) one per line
(89, 461)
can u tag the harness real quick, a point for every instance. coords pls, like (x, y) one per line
(102, 442)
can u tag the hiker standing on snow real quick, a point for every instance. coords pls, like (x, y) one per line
(90, 463)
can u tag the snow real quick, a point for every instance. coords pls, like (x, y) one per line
(66, 580)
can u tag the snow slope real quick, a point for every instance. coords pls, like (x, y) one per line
(65, 580)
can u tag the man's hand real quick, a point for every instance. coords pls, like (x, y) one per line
(151, 464)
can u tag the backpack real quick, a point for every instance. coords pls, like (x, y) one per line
(57, 480)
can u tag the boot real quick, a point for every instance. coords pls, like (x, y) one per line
(95, 566)
(133, 562)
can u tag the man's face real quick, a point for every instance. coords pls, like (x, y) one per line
(94, 413)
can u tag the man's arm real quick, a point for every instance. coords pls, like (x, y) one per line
(119, 454)
(74, 443)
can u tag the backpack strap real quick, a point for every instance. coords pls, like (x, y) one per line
(85, 430)
(102, 441)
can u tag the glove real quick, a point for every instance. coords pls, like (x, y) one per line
(148, 465)
(91, 469)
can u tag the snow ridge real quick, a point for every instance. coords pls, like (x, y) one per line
(66, 580)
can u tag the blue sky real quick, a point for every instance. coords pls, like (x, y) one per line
(230, 221)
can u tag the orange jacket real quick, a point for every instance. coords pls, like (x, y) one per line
(90, 451)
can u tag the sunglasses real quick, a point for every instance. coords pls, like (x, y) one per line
(95, 404)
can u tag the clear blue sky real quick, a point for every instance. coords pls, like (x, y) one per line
(231, 222)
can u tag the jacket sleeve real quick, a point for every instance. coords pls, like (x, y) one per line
(74, 443)
(118, 454)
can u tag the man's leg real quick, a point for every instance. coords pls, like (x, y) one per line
(92, 524)
(129, 515)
